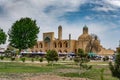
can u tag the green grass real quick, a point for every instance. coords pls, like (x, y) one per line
(62, 68)
(12, 67)
(93, 74)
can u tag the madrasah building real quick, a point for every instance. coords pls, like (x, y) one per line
(63, 46)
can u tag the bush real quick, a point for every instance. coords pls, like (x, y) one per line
(115, 68)
(41, 59)
(32, 59)
(52, 55)
(106, 58)
(12, 58)
(23, 59)
(1, 57)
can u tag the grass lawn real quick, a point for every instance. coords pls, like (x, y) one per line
(13, 69)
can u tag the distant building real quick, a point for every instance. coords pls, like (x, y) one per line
(68, 45)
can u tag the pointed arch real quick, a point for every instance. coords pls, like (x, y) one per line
(65, 44)
(55, 45)
(41, 45)
(60, 44)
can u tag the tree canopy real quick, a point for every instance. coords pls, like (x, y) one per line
(23, 33)
(52, 55)
(94, 44)
(3, 36)
(115, 68)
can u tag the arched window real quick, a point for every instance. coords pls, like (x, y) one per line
(47, 42)
(60, 44)
(41, 45)
(65, 44)
(55, 45)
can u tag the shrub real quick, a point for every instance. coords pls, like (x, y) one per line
(52, 55)
(41, 59)
(32, 59)
(1, 57)
(23, 59)
(12, 58)
(115, 68)
(106, 58)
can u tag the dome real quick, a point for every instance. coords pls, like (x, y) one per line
(85, 27)
(85, 37)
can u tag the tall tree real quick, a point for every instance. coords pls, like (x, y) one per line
(115, 68)
(3, 36)
(23, 33)
(94, 44)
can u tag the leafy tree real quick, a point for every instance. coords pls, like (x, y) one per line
(115, 68)
(82, 58)
(52, 55)
(23, 33)
(3, 36)
(94, 44)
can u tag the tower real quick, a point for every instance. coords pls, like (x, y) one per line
(60, 32)
(85, 30)
(69, 40)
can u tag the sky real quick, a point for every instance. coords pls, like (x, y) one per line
(101, 17)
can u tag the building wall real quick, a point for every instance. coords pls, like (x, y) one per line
(68, 45)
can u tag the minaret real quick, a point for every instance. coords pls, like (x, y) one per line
(85, 30)
(69, 40)
(60, 32)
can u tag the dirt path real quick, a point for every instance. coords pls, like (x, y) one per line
(53, 77)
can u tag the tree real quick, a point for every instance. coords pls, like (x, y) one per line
(52, 55)
(23, 33)
(94, 44)
(3, 36)
(115, 68)
(82, 58)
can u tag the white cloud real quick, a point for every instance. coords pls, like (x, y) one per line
(115, 3)
(15, 9)
(105, 9)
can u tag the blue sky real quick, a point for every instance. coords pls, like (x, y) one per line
(101, 17)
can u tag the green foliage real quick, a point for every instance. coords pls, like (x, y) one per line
(80, 53)
(52, 55)
(101, 75)
(23, 59)
(115, 68)
(41, 59)
(23, 33)
(3, 36)
(1, 57)
(81, 58)
(12, 58)
(106, 58)
(32, 59)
